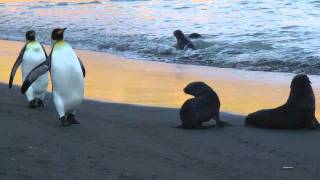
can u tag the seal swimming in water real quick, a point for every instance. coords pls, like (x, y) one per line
(182, 41)
(204, 106)
(297, 113)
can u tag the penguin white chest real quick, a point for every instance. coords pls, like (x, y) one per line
(32, 57)
(67, 79)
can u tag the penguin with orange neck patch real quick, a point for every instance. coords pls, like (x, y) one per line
(67, 75)
(31, 55)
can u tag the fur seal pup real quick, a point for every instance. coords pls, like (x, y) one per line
(31, 55)
(203, 107)
(182, 41)
(297, 113)
(194, 35)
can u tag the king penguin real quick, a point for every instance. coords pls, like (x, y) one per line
(31, 55)
(67, 76)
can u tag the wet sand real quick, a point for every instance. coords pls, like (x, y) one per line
(128, 142)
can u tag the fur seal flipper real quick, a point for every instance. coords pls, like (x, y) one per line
(297, 113)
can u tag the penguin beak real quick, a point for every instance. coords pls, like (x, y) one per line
(61, 31)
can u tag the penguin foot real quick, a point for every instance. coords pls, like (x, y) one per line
(33, 104)
(64, 121)
(39, 103)
(219, 123)
(72, 119)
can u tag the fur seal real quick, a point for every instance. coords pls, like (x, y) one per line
(204, 106)
(194, 35)
(297, 113)
(182, 41)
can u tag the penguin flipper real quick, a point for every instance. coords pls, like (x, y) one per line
(16, 65)
(82, 67)
(33, 75)
(44, 50)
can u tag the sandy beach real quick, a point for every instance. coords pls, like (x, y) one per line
(117, 79)
(123, 141)
(116, 141)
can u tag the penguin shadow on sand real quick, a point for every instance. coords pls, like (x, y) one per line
(203, 107)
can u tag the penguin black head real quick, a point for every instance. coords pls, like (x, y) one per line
(31, 35)
(57, 34)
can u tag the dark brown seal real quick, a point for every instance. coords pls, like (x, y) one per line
(204, 106)
(182, 41)
(297, 113)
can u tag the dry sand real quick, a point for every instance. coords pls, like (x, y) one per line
(127, 142)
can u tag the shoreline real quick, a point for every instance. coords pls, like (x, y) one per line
(116, 79)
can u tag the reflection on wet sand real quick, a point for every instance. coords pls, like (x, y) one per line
(120, 80)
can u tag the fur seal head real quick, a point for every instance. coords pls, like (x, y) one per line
(301, 91)
(301, 81)
(198, 89)
(182, 41)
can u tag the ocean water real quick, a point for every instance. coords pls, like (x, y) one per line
(265, 35)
